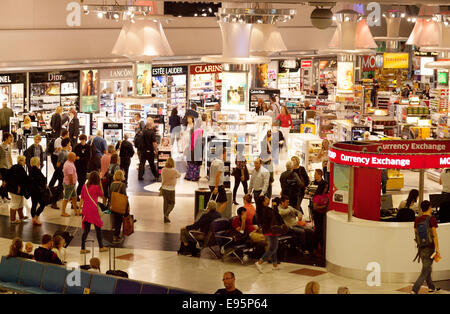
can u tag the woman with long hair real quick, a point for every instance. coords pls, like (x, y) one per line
(267, 219)
(285, 123)
(195, 151)
(15, 250)
(90, 193)
(408, 208)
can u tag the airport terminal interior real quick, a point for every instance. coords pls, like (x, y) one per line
(347, 98)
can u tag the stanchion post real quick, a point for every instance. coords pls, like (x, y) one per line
(350, 194)
(421, 185)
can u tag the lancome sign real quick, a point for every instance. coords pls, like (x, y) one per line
(116, 74)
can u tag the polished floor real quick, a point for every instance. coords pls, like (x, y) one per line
(150, 253)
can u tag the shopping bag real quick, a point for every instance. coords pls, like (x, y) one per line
(128, 225)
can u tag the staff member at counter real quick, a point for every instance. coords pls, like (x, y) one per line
(445, 181)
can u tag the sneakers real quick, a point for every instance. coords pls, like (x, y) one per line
(85, 251)
(436, 290)
(259, 267)
(103, 249)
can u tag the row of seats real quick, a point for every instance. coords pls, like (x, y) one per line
(28, 276)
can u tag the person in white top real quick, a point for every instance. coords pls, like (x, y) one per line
(445, 181)
(216, 178)
(169, 177)
(259, 181)
(411, 202)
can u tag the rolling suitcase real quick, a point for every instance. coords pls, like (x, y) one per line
(117, 273)
(66, 235)
(88, 266)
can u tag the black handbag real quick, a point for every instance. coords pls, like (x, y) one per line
(47, 196)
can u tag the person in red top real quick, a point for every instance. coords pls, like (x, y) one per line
(242, 221)
(285, 124)
(425, 253)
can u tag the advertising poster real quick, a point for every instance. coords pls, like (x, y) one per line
(89, 91)
(442, 78)
(423, 69)
(345, 77)
(262, 76)
(341, 181)
(234, 87)
(4, 94)
(144, 79)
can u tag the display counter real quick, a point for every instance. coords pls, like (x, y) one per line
(351, 246)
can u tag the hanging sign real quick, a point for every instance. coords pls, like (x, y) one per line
(205, 68)
(395, 60)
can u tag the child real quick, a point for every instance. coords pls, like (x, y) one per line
(29, 248)
(58, 248)
(95, 265)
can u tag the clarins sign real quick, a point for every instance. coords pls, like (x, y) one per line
(205, 68)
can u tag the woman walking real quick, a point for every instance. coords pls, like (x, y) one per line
(37, 187)
(118, 185)
(285, 125)
(240, 173)
(175, 127)
(195, 152)
(267, 219)
(17, 183)
(169, 179)
(90, 193)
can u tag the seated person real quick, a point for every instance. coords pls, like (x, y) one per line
(94, 262)
(29, 248)
(203, 224)
(411, 202)
(244, 223)
(44, 253)
(296, 227)
(15, 250)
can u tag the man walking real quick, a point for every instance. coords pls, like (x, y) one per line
(259, 181)
(74, 127)
(5, 115)
(125, 154)
(428, 244)
(216, 178)
(56, 122)
(149, 151)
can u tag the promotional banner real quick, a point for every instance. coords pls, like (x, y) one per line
(395, 60)
(345, 77)
(423, 69)
(89, 91)
(234, 86)
(144, 79)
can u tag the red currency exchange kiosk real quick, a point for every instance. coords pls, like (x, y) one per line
(355, 174)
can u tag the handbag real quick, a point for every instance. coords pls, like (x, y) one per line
(47, 196)
(128, 225)
(119, 201)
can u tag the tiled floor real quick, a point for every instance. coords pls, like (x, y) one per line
(149, 254)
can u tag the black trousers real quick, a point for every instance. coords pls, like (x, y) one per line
(117, 220)
(82, 176)
(320, 228)
(125, 165)
(237, 182)
(58, 175)
(150, 157)
(35, 201)
(87, 228)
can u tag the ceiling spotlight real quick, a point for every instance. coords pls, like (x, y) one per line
(392, 15)
(446, 23)
(347, 19)
(259, 21)
(409, 19)
(334, 18)
(86, 9)
(195, 14)
(210, 10)
(100, 15)
(133, 21)
(403, 15)
(204, 14)
(435, 18)
(413, 20)
(129, 13)
(384, 15)
(116, 16)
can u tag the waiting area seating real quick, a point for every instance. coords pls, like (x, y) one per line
(28, 276)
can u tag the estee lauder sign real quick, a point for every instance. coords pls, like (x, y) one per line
(205, 68)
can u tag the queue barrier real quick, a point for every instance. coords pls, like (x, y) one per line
(29, 276)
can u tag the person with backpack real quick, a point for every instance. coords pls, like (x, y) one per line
(291, 184)
(428, 245)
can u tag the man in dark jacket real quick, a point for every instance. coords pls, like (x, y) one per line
(291, 184)
(74, 127)
(203, 224)
(44, 253)
(83, 152)
(125, 154)
(35, 150)
(148, 153)
(56, 122)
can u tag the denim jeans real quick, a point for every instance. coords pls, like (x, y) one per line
(272, 251)
(425, 274)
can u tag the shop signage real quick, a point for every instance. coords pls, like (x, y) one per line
(205, 68)
(425, 53)
(306, 64)
(396, 155)
(345, 77)
(116, 73)
(5, 79)
(369, 63)
(63, 76)
(112, 125)
(392, 60)
(169, 71)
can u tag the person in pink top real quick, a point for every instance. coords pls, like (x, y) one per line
(69, 182)
(286, 124)
(106, 160)
(90, 193)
